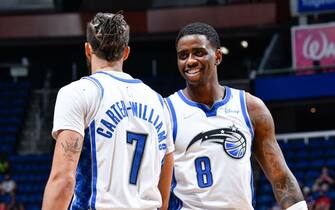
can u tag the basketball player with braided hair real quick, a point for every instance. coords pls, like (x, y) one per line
(216, 129)
(113, 133)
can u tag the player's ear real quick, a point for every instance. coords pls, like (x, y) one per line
(218, 56)
(88, 51)
(126, 53)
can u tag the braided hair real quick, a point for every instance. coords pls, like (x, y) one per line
(201, 29)
(108, 34)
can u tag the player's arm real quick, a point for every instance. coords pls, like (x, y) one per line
(269, 156)
(165, 180)
(60, 186)
(164, 184)
(68, 130)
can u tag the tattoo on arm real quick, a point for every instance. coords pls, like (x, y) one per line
(71, 147)
(287, 192)
(286, 189)
(271, 153)
(285, 186)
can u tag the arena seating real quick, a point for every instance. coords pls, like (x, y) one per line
(305, 157)
(30, 172)
(13, 99)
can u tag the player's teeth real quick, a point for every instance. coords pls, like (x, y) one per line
(193, 71)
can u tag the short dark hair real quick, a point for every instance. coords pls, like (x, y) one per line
(202, 29)
(108, 34)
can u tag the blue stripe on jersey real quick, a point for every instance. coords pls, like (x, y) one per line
(160, 99)
(120, 79)
(174, 119)
(174, 203)
(94, 166)
(210, 112)
(83, 176)
(97, 83)
(253, 199)
(245, 113)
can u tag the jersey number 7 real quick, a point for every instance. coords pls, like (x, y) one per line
(138, 154)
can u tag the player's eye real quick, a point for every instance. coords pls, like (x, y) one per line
(182, 56)
(199, 53)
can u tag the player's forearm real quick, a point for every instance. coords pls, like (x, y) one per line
(165, 181)
(287, 191)
(58, 194)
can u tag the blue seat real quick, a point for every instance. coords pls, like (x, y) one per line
(318, 163)
(281, 143)
(7, 149)
(299, 175)
(312, 174)
(317, 153)
(330, 162)
(302, 155)
(288, 154)
(296, 144)
(329, 143)
(301, 165)
(316, 141)
(265, 199)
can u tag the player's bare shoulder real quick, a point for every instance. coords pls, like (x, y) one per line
(260, 115)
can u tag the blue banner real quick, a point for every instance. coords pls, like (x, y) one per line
(295, 87)
(309, 6)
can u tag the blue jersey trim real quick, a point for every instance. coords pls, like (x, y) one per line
(160, 99)
(245, 113)
(97, 83)
(174, 119)
(210, 112)
(120, 79)
(83, 176)
(94, 166)
(174, 203)
(253, 198)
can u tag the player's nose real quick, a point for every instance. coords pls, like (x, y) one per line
(191, 62)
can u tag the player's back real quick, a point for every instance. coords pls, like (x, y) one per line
(124, 147)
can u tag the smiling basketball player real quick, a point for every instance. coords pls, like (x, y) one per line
(215, 129)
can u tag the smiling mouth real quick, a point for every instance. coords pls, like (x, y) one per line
(192, 72)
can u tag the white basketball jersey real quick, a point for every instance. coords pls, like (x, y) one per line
(124, 147)
(212, 168)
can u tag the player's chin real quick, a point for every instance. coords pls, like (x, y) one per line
(193, 78)
(193, 81)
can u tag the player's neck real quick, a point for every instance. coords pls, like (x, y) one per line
(103, 65)
(207, 95)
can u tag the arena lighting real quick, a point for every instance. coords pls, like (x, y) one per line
(224, 50)
(244, 44)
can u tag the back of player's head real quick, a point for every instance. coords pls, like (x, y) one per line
(201, 29)
(108, 34)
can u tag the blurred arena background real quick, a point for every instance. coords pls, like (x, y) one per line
(282, 51)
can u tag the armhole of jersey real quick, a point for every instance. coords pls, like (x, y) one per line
(96, 83)
(101, 91)
(245, 113)
(174, 118)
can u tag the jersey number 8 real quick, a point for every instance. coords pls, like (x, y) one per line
(203, 170)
